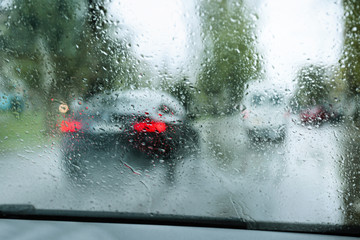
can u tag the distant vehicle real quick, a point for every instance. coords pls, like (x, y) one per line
(150, 122)
(320, 114)
(265, 116)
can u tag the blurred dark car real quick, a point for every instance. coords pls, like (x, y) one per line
(150, 122)
(320, 114)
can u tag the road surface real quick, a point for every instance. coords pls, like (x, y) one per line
(295, 180)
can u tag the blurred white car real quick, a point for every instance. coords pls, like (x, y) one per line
(265, 116)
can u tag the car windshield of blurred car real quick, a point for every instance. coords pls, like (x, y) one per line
(246, 111)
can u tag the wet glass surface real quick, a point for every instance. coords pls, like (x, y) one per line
(234, 109)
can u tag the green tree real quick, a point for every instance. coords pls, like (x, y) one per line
(69, 39)
(62, 48)
(351, 54)
(184, 91)
(313, 86)
(230, 59)
(350, 73)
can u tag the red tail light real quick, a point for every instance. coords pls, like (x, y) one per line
(245, 114)
(150, 127)
(70, 126)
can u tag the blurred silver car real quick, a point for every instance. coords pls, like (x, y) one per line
(265, 116)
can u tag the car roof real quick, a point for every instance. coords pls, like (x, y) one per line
(146, 100)
(132, 101)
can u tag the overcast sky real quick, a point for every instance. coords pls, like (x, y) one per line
(291, 33)
(297, 32)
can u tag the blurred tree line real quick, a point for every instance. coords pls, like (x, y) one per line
(350, 73)
(312, 87)
(350, 62)
(59, 49)
(318, 84)
(230, 58)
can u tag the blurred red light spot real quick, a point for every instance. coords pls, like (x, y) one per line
(150, 127)
(245, 114)
(70, 126)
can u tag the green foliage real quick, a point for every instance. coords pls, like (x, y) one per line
(62, 48)
(184, 91)
(313, 86)
(20, 132)
(351, 56)
(230, 59)
(350, 73)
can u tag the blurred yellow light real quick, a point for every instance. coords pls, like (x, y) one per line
(63, 108)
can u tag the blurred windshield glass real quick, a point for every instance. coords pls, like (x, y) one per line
(246, 109)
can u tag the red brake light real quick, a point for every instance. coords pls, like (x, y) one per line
(70, 126)
(150, 127)
(245, 114)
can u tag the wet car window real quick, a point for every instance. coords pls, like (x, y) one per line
(258, 100)
(276, 99)
(245, 110)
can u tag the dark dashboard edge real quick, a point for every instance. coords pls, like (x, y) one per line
(29, 212)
